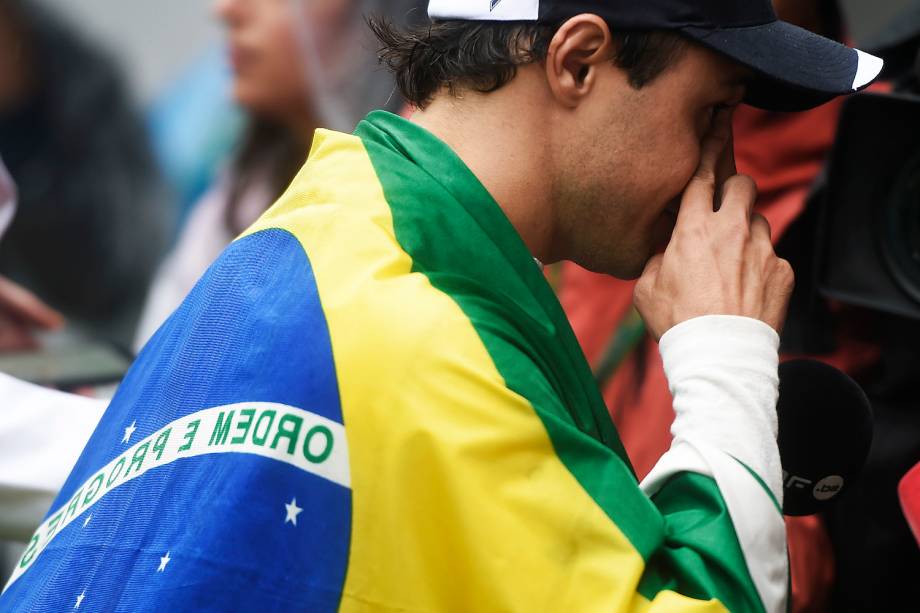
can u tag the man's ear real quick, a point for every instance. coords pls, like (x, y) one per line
(577, 51)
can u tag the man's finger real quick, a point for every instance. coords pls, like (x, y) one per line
(776, 301)
(647, 279)
(725, 167)
(700, 192)
(739, 194)
(653, 265)
(760, 228)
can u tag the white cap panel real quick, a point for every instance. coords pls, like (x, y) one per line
(867, 70)
(485, 10)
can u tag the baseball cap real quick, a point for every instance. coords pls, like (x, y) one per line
(794, 69)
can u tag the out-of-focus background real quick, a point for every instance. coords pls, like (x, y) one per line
(137, 154)
(157, 39)
(154, 39)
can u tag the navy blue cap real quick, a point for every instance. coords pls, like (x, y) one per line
(793, 69)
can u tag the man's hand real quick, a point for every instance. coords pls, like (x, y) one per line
(720, 260)
(20, 313)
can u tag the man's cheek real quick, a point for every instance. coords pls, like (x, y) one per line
(684, 168)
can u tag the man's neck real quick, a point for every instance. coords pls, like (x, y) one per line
(501, 142)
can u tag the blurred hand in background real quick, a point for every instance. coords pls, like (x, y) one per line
(21, 314)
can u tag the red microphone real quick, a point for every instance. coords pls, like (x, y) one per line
(909, 491)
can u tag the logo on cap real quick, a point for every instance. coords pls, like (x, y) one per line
(493, 4)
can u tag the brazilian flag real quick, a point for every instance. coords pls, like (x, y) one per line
(372, 401)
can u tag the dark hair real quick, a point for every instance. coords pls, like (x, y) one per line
(269, 152)
(484, 55)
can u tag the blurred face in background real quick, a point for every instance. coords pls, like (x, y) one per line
(266, 41)
(15, 60)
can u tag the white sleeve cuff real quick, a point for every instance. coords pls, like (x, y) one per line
(723, 374)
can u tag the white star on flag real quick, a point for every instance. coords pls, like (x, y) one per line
(292, 511)
(80, 599)
(86, 521)
(164, 560)
(129, 431)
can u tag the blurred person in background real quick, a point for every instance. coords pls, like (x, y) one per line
(41, 431)
(21, 311)
(93, 216)
(287, 96)
(194, 125)
(297, 65)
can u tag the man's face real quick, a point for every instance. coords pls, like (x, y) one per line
(628, 155)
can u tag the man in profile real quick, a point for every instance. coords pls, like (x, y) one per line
(783, 153)
(373, 400)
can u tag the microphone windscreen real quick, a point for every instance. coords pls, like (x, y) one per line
(825, 430)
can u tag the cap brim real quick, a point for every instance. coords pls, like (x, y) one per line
(794, 69)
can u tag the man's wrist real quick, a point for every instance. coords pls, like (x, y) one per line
(723, 373)
(718, 337)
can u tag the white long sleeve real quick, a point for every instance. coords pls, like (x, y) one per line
(723, 375)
